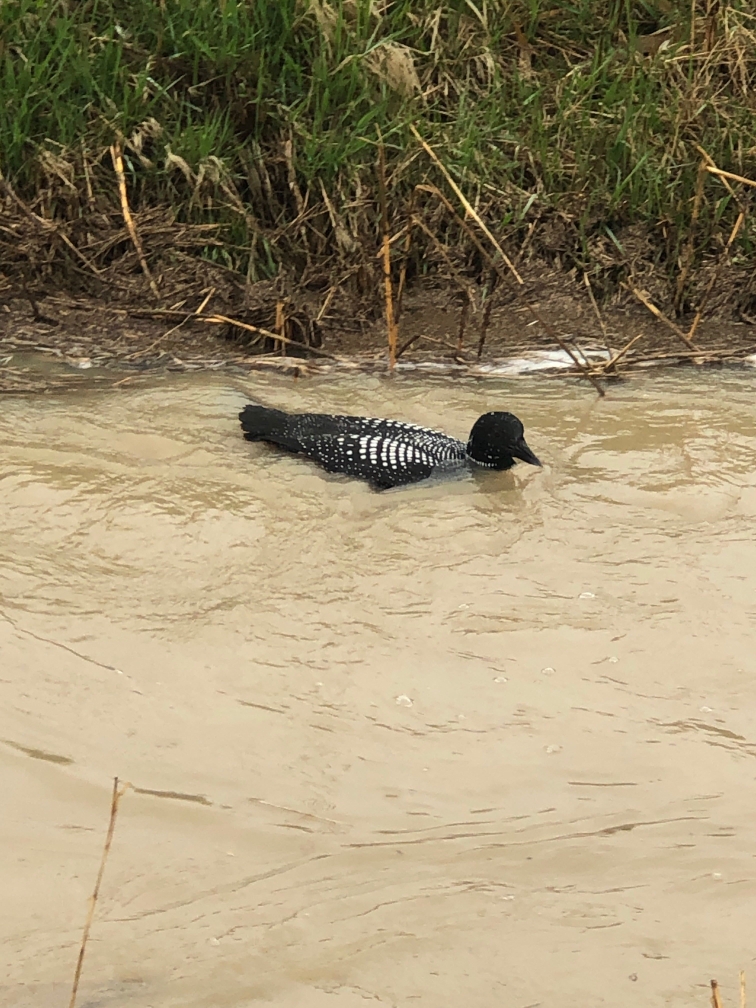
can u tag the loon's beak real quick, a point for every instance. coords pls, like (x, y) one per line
(521, 451)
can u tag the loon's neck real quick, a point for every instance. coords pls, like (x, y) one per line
(500, 463)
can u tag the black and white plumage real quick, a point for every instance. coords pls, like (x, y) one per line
(388, 453)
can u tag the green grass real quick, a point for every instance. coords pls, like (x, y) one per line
(554, 118)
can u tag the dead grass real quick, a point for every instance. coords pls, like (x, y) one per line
(602, 144)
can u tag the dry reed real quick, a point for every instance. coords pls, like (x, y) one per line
(716, 275)
(258, 330)
(612, 362)
(486, 318)
(686, 259)
(597, 312)
(495, 266)
(713, 170)
(117, 157)
(462, 323)
(658, 313)
(280, 325)
(391, 325)
(466, 204)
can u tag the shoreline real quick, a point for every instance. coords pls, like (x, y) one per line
(38, 370)
(88, 339)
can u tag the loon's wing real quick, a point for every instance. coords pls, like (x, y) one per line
(384, 462)
(440, 445)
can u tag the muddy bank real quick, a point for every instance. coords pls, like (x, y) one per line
(437, 331)
(456, 148)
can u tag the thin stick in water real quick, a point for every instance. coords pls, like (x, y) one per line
(618, 356)
(742, 989)
(716, 1001)
(118, 793)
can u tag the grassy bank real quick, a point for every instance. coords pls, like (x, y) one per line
(576, 129)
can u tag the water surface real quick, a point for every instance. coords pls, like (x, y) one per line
(483, 742)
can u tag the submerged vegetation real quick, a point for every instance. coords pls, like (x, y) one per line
(249, 135)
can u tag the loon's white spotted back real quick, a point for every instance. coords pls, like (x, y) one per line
(387, 453)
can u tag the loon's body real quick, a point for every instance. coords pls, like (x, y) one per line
(388, 453)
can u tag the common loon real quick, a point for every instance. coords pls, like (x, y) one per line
(387, 453)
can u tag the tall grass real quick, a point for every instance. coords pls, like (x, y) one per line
(567, 122)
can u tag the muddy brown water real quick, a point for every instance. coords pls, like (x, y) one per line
(485, 742)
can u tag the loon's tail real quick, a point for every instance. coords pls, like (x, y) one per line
(260, 423)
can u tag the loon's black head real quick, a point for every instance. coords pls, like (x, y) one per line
(497, 439)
